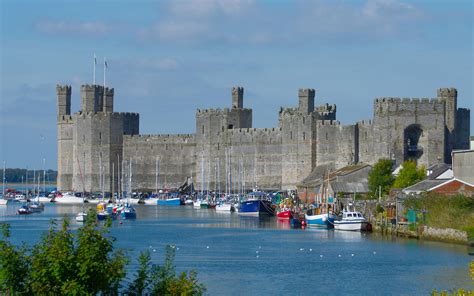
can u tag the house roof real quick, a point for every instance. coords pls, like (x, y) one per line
(423, 186)
(437, 170)
(359, 187)
(320, 173)
(457, 183)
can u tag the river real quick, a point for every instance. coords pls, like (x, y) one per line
(236, 255)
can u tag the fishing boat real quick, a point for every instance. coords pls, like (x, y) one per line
(81, 216)
(197, 203)
(224, 207)
(255, 204)
(284, 214)
(352, 221)
(321, 215)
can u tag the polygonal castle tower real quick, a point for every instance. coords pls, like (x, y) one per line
(227, 154)
(90, 142)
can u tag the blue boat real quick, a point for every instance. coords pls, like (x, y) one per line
(256, 204)
(325, 220)
(128, 212)
(176, 201)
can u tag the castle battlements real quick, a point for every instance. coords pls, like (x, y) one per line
(306, 136)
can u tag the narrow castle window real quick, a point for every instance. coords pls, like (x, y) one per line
(84, 139)
(303, 120)
(291, 135)
(326, 136)
(304, 136)
(203, 129)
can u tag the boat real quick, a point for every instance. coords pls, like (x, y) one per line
(67, 198)
(3, 201)
(255, 204)
(175, 201)
(128, 212)
(81, 216)
(352, 221)
(317, 218)
(36, 206)
(224, 207)
(284, 214)
(188, 202)
(197, 203)
(204, 204)
(24, 210)
(321, 215)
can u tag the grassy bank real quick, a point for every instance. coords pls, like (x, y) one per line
(456, 212)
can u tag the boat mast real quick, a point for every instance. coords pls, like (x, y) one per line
(202, 174)
(119, 193)
(156, 176)
(113, 181)
(44, 175)
(34, 182)
(3, 186)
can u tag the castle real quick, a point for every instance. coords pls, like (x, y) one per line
(227, 152)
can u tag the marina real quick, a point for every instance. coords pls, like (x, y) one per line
(237, 255)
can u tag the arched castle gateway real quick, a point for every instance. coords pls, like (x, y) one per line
(229, 150)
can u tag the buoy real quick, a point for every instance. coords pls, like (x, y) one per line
(257, 256)
(121, 222)
(321, 256)
(310, 250)
(256, 252)
(207, 247)
(352, 255)
(177, 249)
(375, 252)
(154, 250)
(339, 256)
(259, 247)
(301, 249)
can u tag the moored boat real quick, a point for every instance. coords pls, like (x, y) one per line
(176, 201)
(284, 214)
(255, 204)
(68, 198)
(24, 210)
(81, 217)
(315, 219)
(352, 221)
(128, 212)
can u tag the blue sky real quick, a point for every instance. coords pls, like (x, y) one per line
(167, 58)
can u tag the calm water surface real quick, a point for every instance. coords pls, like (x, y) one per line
(250, 256)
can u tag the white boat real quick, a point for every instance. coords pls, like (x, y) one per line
(68, 198)
(81, 217)
(197, 204)
(188, 202)
(352, 221)
(3, 202)
(224, 207)
(152, 201)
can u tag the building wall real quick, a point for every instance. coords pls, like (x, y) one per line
(463, 165)
(226, 152)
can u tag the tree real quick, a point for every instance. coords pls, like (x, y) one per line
(381, 176)
(409, 175)
(85, 263)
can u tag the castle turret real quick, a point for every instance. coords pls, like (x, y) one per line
(109, 100)
(306, 100)
(450, 97)
(64, 99)
(92, 98)
(237, 97)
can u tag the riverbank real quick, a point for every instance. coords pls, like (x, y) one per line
(445, 235)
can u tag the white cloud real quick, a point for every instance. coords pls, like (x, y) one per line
(206, 8)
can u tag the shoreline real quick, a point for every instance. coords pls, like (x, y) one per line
(11, 184)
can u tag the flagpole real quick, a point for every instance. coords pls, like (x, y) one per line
(105, 67)
(95, 62)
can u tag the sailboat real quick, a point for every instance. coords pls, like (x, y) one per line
(3, 201)
(321, 216)
(36, 205)
(128, 211)
(82, 215)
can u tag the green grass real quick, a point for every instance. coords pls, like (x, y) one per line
(455, 212)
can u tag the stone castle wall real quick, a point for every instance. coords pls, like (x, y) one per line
(226, 153)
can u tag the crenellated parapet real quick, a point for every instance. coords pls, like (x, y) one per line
(237, 97)
(306, 100)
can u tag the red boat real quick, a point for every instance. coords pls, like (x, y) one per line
(284, 214)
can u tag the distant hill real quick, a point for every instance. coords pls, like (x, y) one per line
(20, 175)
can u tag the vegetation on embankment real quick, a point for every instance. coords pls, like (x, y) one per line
(85, 262)
(456, 212)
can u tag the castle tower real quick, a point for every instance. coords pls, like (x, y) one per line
(306, 100)
(64, 99)
(237, 97)
(108, 100)
(92, 98)
(450, 97)
(64, 137)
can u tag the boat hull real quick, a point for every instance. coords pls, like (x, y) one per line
(169, 202)
(351, 225)
(320, 220)
(256, 208)
(3, 202)
(224, 207)
(284, 215)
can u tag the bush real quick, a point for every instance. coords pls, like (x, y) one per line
(85, 263)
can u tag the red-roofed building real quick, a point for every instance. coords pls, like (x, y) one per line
(453, 187)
